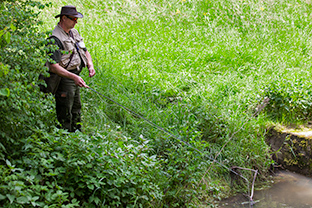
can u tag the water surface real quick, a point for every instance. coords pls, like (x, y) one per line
(289, 190)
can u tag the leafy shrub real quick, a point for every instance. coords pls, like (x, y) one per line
(75, 170)
(42, 166)
(21, 58)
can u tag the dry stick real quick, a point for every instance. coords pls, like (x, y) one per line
(253, 184)
(253, 181)
(259, 108)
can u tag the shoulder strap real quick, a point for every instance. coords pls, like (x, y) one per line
(72, 36)
(57, 40)
(60, 44)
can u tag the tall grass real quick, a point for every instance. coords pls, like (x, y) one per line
(198, 69)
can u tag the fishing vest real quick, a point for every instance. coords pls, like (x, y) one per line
(73, 54)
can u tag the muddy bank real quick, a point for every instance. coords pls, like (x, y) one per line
(291, 149)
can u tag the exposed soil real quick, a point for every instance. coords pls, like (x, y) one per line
(291, 149)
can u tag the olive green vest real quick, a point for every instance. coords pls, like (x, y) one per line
(73, 54)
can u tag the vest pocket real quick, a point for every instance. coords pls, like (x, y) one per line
(69, 45)
(65, 59)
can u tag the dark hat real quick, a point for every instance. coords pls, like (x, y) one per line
(69, 10)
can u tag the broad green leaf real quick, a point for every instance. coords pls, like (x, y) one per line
(2, 197)
(120, 143)
(8, 163)
(97, 200)
(11, 198)
(7, 37)
(5, 92)
(4, 69)
(2, 147)
(22, 200)
(35, 198)
(91, 186)
(1, 33)
(13, 28)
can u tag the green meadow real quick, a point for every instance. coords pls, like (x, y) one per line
(199, 70)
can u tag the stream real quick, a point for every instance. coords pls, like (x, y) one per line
(289, 190)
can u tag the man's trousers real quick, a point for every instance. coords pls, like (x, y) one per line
(68, 104)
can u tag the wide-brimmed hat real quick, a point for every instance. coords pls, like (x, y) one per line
(69, 10)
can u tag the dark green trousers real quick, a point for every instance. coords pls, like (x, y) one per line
(68, 104)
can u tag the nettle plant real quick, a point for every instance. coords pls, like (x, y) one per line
(22, 50)
(76, 170)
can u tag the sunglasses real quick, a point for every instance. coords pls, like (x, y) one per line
(72, 18)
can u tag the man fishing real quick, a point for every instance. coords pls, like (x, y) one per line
(69, 60)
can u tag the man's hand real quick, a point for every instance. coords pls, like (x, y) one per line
(56, 68)
(80, 82)
(91, 71)
(90, 64)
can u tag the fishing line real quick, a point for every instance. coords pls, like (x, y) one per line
(174, 136)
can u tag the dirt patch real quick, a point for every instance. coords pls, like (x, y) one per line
(291, 149)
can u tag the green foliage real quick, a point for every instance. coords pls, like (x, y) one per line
(65, 169)
(290, 95)
(21, 58)
(196, 68)
(42, 166)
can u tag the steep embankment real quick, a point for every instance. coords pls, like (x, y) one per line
(291, 148)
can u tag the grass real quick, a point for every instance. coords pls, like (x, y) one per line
(198, 69)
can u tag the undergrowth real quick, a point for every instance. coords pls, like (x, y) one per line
(199, 70)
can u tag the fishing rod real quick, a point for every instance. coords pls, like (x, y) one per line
(185, 143)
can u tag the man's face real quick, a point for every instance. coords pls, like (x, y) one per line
(70, 21)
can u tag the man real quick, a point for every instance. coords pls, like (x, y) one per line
(71, 57)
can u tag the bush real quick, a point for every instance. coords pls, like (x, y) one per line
(47, 167)
(75, 170)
